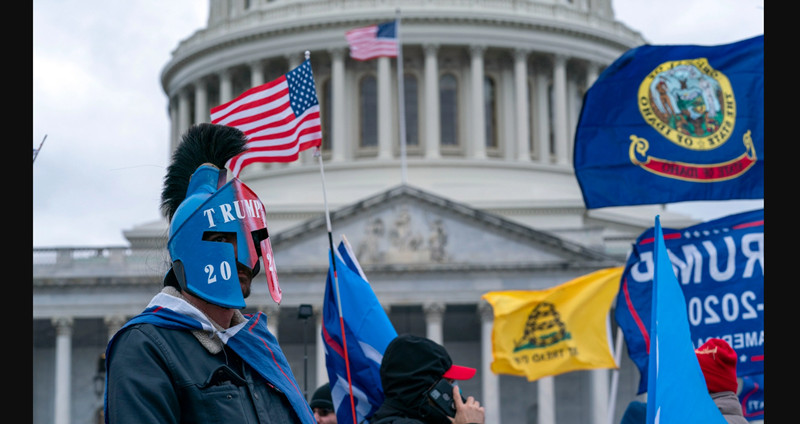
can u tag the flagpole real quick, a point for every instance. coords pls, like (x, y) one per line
(40, 148)
(401, 100)
(612, 399)
(318, 154)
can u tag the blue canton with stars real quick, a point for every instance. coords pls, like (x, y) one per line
(302, 91)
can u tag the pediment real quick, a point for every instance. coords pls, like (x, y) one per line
(407, 228)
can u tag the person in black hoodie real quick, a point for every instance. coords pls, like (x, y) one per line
(410, 370)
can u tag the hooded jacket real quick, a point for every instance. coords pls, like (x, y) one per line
(411, 365)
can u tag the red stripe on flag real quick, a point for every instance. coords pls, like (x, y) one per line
(265, 114)
(635, 315)
(332, 343)
(246, 99)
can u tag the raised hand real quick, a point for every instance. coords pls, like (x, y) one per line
(469, 412)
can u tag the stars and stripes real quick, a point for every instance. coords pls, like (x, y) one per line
(373, 41)
(280, 118)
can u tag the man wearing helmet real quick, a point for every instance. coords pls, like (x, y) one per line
(192, 355)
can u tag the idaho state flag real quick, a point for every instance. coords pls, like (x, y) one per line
(667, 124)
(549, 332)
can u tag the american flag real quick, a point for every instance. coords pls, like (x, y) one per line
(373, 41)
(279, 118)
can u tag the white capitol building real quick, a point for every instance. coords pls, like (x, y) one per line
(484, 199)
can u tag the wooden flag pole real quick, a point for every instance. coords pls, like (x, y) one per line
(318, 154)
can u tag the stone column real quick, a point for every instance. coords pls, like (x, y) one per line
(573, 114)
(434, 315)
(384, 109)
(338, 109)
(490, 381)
(174, 127)
(592, 70)
(184, 117)
(521, 97)
(542, 115)
(431, 114)
(547, 401)
(225, 86)
(202, 113)
(600, 387)
(63, 379)
(477, 118)
(560, 116)
(256, 73)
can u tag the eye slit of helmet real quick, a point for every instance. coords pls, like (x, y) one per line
(258, 237)
(222, 237)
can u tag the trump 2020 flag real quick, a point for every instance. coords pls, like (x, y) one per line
(676, 388)
(373, 41)
(720, 267)
(549, 332)
(279, 118)
(751, 397)
(672, 123)
(367, 333)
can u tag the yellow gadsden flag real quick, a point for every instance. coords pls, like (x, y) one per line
(549, 332)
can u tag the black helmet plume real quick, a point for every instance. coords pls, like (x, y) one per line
(202, 143)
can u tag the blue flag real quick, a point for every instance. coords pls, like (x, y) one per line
(367, 332)
(752, 397)
(720, 266)
(676, 388)
(674, 123)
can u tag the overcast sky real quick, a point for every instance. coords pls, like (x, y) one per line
(97, 97)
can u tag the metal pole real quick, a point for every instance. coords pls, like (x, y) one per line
(305, 359)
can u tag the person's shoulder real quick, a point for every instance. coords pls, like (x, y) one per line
(144, 332)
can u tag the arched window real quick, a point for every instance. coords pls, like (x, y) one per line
(490, 111)
(411, 99)
(448, 109)
(368, 96)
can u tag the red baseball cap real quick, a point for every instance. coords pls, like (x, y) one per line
(457, 372)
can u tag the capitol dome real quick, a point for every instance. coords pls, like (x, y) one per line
(492, 94)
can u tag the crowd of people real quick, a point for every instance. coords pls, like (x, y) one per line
(193, 356)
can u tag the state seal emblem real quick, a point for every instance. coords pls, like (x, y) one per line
(692, 105)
